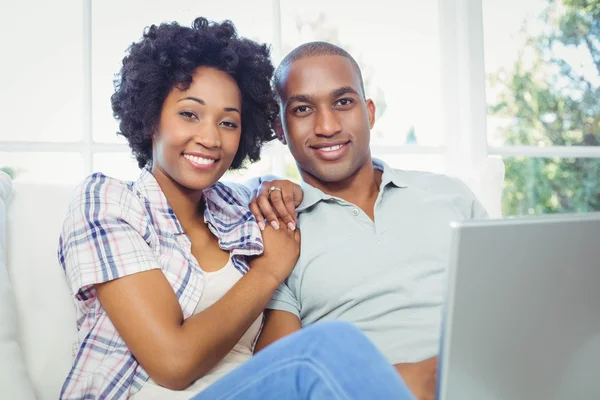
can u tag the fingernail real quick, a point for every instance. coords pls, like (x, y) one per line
(291, 226)
(261, 225)
(275, 224)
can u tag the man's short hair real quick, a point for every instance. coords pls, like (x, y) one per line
(313, 49)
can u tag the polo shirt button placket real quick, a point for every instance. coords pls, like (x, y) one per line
(355, 212)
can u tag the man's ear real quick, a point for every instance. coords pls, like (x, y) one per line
(371, 112)
(278, 128)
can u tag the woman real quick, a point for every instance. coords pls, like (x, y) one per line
(169, 274)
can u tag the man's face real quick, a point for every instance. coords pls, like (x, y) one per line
(325, 119)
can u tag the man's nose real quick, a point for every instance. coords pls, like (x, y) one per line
(327, 124)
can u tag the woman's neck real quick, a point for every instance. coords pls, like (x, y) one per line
(184, 202)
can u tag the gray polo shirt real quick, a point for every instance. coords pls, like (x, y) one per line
(387, 277)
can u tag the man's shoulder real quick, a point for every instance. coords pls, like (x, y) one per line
(434, 183)
(444, 188)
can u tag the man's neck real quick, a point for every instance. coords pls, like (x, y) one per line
(360, 189)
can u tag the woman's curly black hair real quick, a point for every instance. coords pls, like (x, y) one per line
(166, 57)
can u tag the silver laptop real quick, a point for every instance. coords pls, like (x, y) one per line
(522, 318)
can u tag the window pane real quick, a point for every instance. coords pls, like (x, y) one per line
(41, 95)
(416, 162)
(113, 32)
(44, 167)
(117, 165)
(551, 185)
(398, 52)
(543, 86)
(290, 168)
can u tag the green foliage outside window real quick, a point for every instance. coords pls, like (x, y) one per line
(551, 99)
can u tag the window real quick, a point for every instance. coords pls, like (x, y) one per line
(403, 79)
(76, 113)
(543, 84)
(113, 32)
(41, 95)
(431, 66)
(542, 185)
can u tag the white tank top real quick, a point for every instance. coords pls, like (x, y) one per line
(216, 284)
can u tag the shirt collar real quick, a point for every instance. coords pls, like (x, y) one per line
(390, 175)
(312, 195)
(226, 214)
(155, 199)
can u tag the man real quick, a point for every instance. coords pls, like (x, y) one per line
(375, 241)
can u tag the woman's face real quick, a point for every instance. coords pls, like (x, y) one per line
(199, 130)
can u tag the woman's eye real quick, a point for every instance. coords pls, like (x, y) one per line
(187, 114)
(229, 124)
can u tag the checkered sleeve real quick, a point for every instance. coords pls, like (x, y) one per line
(106, 234)
(242, 192)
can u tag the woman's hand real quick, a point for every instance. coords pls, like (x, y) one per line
(276, 204)
(282, 249)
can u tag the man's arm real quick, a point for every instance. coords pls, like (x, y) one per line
(277, 325)
(420, 377)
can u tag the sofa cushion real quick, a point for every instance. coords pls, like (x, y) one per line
(46, 313)
(14, 379)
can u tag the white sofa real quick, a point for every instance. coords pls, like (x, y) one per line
(36, 313)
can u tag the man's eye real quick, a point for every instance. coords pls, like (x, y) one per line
(301, 109)
(345, 102)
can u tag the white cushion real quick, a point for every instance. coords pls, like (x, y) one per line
(46, 312)
(14, 380)
(487, 182)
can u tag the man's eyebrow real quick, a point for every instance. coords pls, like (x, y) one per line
(305, 98)
(300, 98)
(342, 91)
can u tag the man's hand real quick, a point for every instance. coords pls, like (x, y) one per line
(278, 204)
(420, 377)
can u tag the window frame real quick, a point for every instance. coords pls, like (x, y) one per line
(464, 112)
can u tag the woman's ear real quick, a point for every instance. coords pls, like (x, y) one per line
(278, 128)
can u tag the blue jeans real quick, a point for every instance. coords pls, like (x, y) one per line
(328, 360)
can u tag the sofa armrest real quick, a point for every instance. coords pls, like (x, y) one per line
(14, 378)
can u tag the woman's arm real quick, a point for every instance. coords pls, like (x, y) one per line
(105, 245)
(174, 352)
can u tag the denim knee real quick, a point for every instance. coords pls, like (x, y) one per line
(331, 334)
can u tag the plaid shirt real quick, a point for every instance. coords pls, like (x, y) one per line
(116, 228)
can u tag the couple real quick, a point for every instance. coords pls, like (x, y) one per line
(171, 274)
